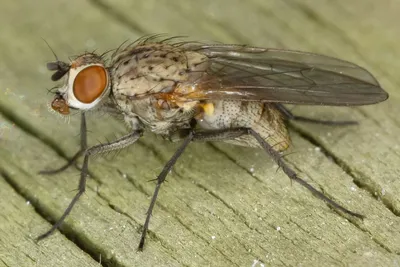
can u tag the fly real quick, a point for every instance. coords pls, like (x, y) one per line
(192, 91)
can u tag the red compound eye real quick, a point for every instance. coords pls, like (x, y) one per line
(90, 83)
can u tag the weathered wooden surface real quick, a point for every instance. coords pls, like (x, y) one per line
(223, 205)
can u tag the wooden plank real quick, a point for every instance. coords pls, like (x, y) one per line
(222, 205)
(17, 247)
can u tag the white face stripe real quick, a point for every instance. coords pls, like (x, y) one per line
(67, 91)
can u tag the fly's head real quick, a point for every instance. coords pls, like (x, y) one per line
(87, 83)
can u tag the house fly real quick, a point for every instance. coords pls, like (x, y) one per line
(192, 91)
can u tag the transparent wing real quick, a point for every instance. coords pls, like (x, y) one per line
(273, 75)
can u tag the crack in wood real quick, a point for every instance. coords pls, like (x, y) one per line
(69, 234)
(165, 209)
(354, 174)
(111, 12)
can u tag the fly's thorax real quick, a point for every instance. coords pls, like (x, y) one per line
(154, 68)
(87, 83)
(145, 78)
(157, 115)
(264, 118)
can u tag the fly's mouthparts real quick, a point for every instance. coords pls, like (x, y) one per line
(60, 105)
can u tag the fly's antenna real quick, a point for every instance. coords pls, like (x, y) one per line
(51, 49)
(60, 67)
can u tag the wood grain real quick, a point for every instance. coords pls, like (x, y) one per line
(222, 205)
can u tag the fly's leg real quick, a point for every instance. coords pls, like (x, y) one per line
(218, 135)
(192, 136)
(293, 176)
(236, 132)
(117, 144)
(80, 152)
(160, 179)
(290, 116)
(224, 134)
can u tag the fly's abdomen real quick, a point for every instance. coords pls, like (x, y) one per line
(261, 117)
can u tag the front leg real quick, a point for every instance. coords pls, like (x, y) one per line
(102, 148)
(72, 161)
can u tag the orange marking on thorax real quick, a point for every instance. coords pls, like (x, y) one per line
(178, 98)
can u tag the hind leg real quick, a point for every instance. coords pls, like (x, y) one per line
(290, 116)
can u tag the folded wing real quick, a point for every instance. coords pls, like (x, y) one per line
(285, 76)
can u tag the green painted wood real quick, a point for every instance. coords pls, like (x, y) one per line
(222, 205)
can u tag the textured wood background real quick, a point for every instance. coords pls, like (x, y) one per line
(222, 205)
